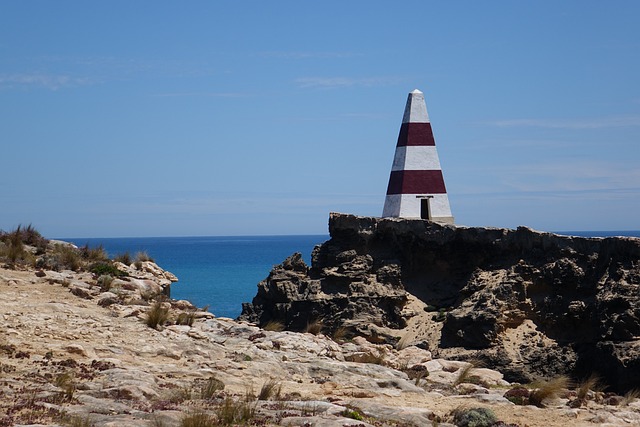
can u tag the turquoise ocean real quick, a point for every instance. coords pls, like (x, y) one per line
(223, 272)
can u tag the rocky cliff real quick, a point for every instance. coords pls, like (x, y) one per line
(525, 302)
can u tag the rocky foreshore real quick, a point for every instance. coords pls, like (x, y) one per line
(531, 304)
(84, 348)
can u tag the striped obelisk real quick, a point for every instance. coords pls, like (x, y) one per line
(416, 185)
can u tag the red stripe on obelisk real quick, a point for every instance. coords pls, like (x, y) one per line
(416, 182)
(415, 134)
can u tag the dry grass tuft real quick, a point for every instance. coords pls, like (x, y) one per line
(198, 419)
(630, 396)
(314, 327)
(143, 256)
(465, 374)
(186, 318)
(404, 341)
(157, 315)
(340, 334)
(66, 381)
(271, 390)
(105, 281)
(232, 412)
(93, 254)
(592, 382)
(548, 390)
(124, 258)
(274, 326)
(211, 387)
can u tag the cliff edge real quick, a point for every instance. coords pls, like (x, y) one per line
(531, 304)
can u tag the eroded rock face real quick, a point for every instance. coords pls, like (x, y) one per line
(527, 302)
(347, 289)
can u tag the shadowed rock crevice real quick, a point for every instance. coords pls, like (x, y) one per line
(529, 303)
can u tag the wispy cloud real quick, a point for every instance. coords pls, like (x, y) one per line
(47, 81)
(594, 123)
(339, 82)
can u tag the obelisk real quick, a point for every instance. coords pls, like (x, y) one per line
(416, 185)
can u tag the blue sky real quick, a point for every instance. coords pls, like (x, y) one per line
(165, 118)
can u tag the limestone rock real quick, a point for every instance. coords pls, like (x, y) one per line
(529, 303)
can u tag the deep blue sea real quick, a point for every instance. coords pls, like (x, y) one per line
(219, 272)
(223, 272)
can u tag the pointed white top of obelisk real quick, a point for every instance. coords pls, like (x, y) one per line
(416, 109)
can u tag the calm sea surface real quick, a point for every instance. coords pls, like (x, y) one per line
(223, 272)
(219, 272)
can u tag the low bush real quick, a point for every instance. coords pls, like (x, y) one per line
(474, 417)
(352, 413)
(106, 268)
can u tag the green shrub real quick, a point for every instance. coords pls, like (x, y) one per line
(353, 414)
(106, 268)
(474, 417)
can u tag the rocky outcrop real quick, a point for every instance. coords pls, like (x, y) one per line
(526, 302)
(347, 290)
